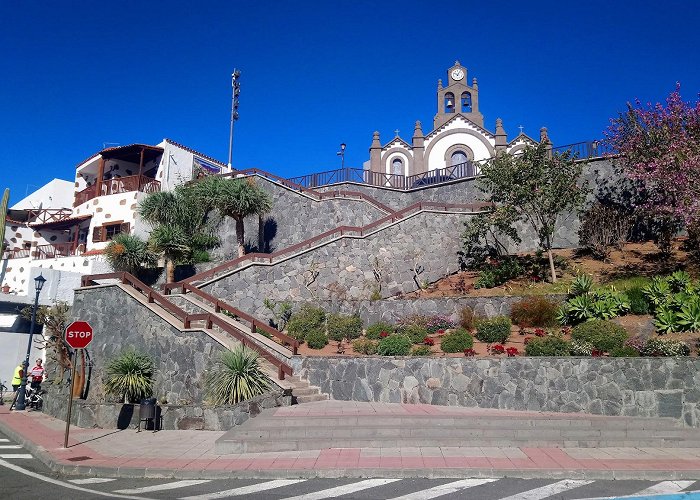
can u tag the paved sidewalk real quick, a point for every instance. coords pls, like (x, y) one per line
(191, 454)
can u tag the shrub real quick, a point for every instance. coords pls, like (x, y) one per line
(581, 285)
(235, 377)
(436, 323)
(581, 348)
(493, 330)
(534, 311)
(689, 315)
(129, 375)
(342, 327)
(394, 345)
(499, 272)
(603, 303)
(638, 301)
(553, 345)
(364, 345)
(316, 339)
(421, 350)
(624, 352)
(308, 319)
(374, 331)
(416, 333)
(604, 227)
(457, 341)
(466, 318)
(604, 335)
(665, 347)
(415, 319)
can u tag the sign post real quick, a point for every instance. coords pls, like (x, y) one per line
(78, 336)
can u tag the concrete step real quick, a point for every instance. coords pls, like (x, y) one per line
(312, 398)
(309, 390)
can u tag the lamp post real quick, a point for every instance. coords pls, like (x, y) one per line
(21, 397)
(235, 92)
(341, 153)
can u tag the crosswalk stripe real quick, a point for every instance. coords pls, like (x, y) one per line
(162, 487)
(343, 490)
(2, 440)
(549, 490)
(91, 480)
(10, 446)
(15, 455)
(665, 487)
(246, 490)
(444, 489)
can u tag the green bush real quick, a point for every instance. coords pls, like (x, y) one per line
(316, 339)
(624, 352)
(341, 327)
(235, 377)
(638, 301)
(534, 311)
(364, 345)
(374, 331)
(665, 347)
(308, 319)
(552, 345)
(421, 350)
(456, 341)
(604, 335)
(416, 333)
(493, 330)
(394, 345)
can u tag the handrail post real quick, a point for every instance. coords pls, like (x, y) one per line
(209, 321)
(151, 300)
(295, 348)
(280, 373)
(187, 322)
(253, 327)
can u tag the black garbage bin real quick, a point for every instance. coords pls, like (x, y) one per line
(147, 412)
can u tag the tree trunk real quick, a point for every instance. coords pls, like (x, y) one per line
(240, 237)
(261, 233)
(551, 263)
(170, 271)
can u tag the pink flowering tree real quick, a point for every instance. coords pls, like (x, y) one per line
(659, 149)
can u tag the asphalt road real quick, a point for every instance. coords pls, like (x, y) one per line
(24, 477)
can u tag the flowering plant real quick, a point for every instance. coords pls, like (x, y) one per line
(539, 332)
(437, 323)
(428, 341)
(596, 353)
(384, 335)
(512, 351)
(440, 331)
(469, 352)
(498, 349)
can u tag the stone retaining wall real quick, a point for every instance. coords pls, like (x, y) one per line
(647, 387)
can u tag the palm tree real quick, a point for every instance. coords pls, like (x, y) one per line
(182, 229)
(235, 198)
(128, 252)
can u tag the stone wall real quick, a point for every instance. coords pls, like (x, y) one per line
(647, 387)
(345, 269)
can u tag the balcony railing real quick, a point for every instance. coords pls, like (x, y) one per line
(54, 250)
(45, 215)
(16, 253)
(119, 185)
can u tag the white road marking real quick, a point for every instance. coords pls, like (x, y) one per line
(10, 446)
(51, 480)
(444, 489)
(343, 490)
(2, 440)
(246, 490)
(92, 480)
(163, 487)
(547, 491)
(15, 455)
(665, 487)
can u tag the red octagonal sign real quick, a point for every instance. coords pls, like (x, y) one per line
(79, 334)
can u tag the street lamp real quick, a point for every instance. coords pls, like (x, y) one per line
(21, 397)
(341, 153)
(235, 92)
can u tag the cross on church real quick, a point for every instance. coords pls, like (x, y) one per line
(396, 132)
(521, 128)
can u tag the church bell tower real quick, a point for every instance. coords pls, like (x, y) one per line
(457, 97)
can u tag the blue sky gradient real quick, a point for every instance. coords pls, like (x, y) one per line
(77, 74)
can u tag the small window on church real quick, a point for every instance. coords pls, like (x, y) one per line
(459, 157)
(397, 166)
(466, 102)
(449, 103)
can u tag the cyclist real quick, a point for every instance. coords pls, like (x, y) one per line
(37, 374)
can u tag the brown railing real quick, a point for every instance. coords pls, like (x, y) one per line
(54, 250)
(119, 185)
(187, 319)
(333, 233)
(219, 305)
(16, 253)
(49, 215)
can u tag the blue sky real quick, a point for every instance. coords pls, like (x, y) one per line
(77, 74)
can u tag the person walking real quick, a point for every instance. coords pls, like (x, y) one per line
(17, 377)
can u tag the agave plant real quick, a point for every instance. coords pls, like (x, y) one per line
(666, 320)
(657, 291)
(130, 376)
(581, 308)
(235, 377)
(679, 281)
(581, 285)
(689, 315)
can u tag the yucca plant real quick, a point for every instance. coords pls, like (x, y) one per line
(130, 375)
(235, 377)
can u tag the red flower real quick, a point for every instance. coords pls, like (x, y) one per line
(512, 351)
(428, 341)
(540, 332)
(384, 334)
(440, 331)
(469, 352)
(596, 353)
(566, 330)
(526, 340)
(498, 349)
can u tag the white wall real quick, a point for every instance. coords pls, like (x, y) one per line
(55, 194)
(436, 158)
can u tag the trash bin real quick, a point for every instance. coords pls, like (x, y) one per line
(147, 412)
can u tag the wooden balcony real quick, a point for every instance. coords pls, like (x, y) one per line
(118, 185)
(16, 253)
(54, 250)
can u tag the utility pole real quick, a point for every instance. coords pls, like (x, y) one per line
(235, 91)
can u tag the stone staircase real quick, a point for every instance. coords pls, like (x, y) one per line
(346, 424)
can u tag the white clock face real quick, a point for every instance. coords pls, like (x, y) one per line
(457, 74)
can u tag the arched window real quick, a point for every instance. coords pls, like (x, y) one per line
(466, 102)
(465, 168)
(397, 166)
(449, 102)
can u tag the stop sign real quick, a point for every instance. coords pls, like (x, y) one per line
(79, 334)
